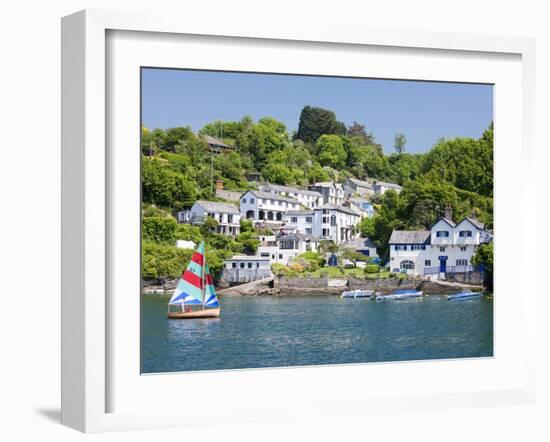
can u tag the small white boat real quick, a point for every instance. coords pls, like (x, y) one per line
(399, 294)
(468, 294)
(357, 294)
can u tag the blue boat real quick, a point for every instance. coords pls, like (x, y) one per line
(400, 294)
(462, 296)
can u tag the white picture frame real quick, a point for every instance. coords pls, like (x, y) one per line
(88, 230)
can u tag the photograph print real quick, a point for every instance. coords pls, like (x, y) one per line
(297, 220)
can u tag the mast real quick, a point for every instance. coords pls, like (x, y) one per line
(204, 276)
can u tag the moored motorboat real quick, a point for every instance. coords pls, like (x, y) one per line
(399, 294)
(467, 294)
(358, 293)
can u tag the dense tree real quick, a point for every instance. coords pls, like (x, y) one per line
(332, 151)
(316, 121)
(464, 162)
(164, 187)
(484, 257)
(399, 143)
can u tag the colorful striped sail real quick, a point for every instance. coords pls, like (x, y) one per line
(190, 286)
(211, 300)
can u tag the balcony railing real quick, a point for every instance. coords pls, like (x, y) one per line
(453, 269)
(199, 219)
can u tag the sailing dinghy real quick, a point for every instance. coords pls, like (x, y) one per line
(195, 296)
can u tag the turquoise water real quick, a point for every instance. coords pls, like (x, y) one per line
(289, 331)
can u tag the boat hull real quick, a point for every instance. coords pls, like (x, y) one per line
(399, 296)
(463, 296)
(357, 294)
(197, 314)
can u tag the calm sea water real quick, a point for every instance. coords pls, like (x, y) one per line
(285, 331)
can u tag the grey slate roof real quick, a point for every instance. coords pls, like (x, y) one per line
(288, 189)
(410, 237)
(476, 223)
(214, 141)
(295, 237)
(360, 183)
(360, 244)
(272, 196)
(390, 185)
(331, 206)
(214, 206)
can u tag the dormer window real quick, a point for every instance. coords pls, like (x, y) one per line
(465, 233)
(442, 234)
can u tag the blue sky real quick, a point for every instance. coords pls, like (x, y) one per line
(423, 111)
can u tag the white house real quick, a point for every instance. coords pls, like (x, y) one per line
(285, 248)
(307, 198)
(380, 187)
(445, 248)
(265, 207)
(328, 222)
(227, 215)
(244, 268)
(333, 193)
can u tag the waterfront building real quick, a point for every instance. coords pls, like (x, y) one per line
(266, 208)
(285, 248)
(227, 215)
(380, 187)
(307, 198)
(328, 222)
(447, 247)
(245, 268)
(333, 193)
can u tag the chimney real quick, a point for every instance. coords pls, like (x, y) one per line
(219, 184)
(449, 213)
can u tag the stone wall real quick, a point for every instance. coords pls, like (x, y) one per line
(467, 278)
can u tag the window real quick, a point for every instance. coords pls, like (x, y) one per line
(264, 254)
(309, 231)
(406, 265)
(465, 233)
(234, 265)
(242, 265)
(333, 220)
(293, 219)
(427, 263)
(442, 234)
(251, 200)
(280, 256)
(243, 200)
(272, 256)
(257, 265)
(418, 247)
(400, 247)
(463, 248)
(325, 212)
(325, 219)
(461, 262)
(309, 219)
(442, 249)
(249, 265)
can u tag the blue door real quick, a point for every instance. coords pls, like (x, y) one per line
(442, 264)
